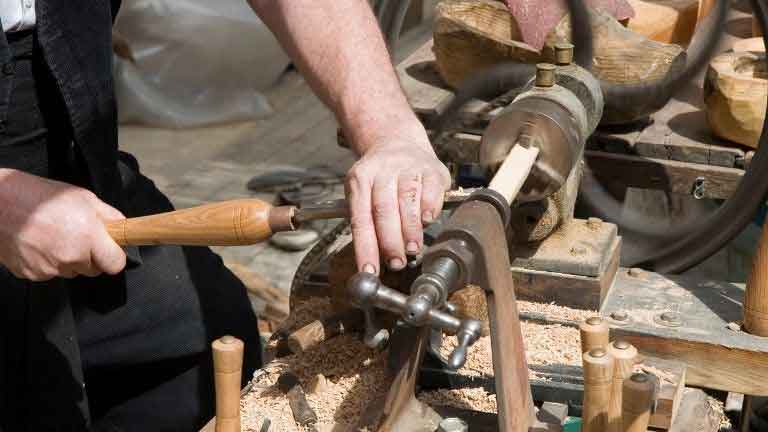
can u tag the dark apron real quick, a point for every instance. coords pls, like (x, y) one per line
(123, 353)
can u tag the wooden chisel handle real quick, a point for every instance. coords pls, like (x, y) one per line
(229, 223)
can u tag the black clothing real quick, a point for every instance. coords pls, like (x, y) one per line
(129, 352)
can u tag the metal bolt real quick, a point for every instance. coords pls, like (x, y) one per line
(578, 250)
(636, 272)
(639, 378)
(620, 315)
(227, 339)
(453, 424)
(564, 53)
(545, 75)
(594, 320)
(698, 188)
(598, 352)
(669, 319)
(621, 345)
(594, 223)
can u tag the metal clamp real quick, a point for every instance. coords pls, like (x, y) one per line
(368, 292)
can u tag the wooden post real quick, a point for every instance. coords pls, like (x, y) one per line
(598, 378)
(636, 403)
(624, 357)
(594, 334)
(756, 296)
(228, 369)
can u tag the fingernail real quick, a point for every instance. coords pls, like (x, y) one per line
(427, 216)
(369, 268)
(412, 248)
(396, 264)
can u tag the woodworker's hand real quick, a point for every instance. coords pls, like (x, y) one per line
(51, 229)
(397, 186)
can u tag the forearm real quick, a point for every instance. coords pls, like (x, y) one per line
(338, 47)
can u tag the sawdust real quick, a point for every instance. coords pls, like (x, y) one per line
(553, 311)
(718, 408)
(355, 377)
(476, 399)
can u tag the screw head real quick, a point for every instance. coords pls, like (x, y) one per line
(545, 75)
(620, 315)
(669, 319)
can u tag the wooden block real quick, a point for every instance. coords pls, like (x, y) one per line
(668, 21)
(671, 379)
(755, 44)
(735, 94)
(695, 414)
(715, 356)
(472, 35)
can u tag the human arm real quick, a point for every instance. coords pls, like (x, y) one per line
(398, 182)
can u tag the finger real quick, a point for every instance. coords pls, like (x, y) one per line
(386, 217)
(358, 190)
(106, 255)
(409, 199)
(433, 189)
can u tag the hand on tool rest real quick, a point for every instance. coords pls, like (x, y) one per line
(50, 229)
(397, 186)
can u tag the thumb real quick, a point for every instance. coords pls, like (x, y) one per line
(106, 255)
(107, 212)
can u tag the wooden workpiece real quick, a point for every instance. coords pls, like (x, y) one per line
(598, 379)
(594, 334)
(319, 331)
(227, 372)
(636, 403)
(756, 296)
(735, 94)
(667, 21)
(513, 173)
(472, 35)
(624, 357)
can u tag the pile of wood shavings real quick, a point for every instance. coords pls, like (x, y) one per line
(356, 376)
(551, 310)
(550, 344)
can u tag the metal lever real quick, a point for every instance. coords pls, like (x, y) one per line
(368, 292)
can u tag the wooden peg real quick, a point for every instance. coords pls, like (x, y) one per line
(624, 359)
(514, 171)
(228, 370)
(321, 330)
(756, 296)
(598, 379)
(594, 334)
(636, 404)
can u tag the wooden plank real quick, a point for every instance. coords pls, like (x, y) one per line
(422, 83)
(671, 376)
(695, 414)
(673, 176)
(716, 357)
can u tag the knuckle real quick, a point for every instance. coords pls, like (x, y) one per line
(384, 209)
(361, 224)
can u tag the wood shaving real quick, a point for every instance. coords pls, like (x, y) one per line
(552, 310)
(718, 407)
(476, 399)
(355, 376)
(659, 373)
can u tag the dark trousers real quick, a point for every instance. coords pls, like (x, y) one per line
(123, 353)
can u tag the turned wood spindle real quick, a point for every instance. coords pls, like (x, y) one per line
(756, 296)
(636, 403)
(594, 334)
(228, 370)
(598, 379)
(624, 359)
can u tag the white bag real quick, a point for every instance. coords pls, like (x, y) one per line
(198, 62)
